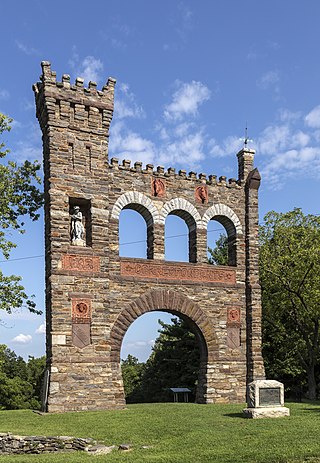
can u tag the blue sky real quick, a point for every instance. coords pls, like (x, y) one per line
(189, 75)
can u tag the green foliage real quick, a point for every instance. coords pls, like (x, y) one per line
(176, 433)
(219, 254)
(19, 197)
(290, 281)
(20, 381)
(132, 371)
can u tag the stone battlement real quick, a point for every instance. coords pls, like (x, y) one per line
(85, 107)
(170, 172)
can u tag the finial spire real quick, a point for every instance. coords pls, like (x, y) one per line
(246, 139)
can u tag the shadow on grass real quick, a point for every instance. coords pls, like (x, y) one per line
(235, 415)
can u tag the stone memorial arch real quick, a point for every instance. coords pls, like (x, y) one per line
(93, 295)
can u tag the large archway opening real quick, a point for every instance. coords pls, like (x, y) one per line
(161, 351)
(192, 320)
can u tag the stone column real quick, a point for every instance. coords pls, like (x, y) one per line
(255, 367)
(158, 241)
(202, 246)
(245, 163)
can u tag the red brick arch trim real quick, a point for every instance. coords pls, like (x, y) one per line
(164, 300)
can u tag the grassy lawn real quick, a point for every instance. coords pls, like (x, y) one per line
(178, 433)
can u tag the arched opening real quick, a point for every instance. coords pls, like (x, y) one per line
(180, 306)
(135, 232)
(180, 237)
(221, 241)
(176, 350)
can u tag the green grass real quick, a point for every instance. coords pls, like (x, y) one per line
(178, 433)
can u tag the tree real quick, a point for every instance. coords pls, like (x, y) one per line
(132, 372)
(20, 381)
(219, 254)
(19, 197)
(290, 281)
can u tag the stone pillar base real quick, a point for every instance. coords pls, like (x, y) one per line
(266, 412)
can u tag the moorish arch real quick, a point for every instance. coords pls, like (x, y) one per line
(93, 294)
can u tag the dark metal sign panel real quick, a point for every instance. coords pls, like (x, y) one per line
(269, 396)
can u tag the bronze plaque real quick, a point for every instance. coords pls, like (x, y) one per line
(81, 334)
(269, 396)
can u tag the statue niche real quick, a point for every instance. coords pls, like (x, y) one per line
(77, 227)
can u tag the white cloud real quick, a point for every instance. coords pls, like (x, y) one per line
(186, 100)
(288, 150)
(4, 94)
(29, 145)
(285, 115)
(139, 344)
(26, 49)
(91, 68)
(22, 339)
(187, 151)
(127, 144)
(229, 146)
(180, 142)
(126, 105)
(268, 79)
(313, 118)
(41, 329)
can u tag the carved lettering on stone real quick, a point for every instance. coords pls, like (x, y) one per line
(81, 263)
(158, 187)
(166, 271)
(201, 194)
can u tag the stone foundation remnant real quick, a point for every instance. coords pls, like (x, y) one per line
(265, 400)
(93, 295)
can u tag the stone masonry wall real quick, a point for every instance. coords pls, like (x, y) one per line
(93, 295)
(11, 444)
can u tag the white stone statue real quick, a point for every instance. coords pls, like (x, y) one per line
(77, 228)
